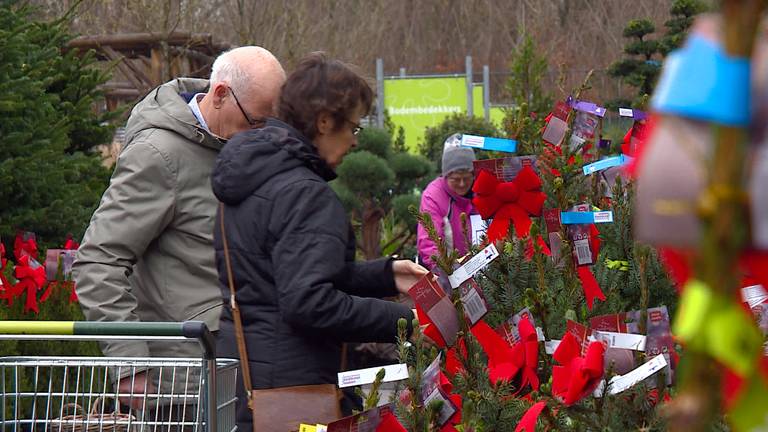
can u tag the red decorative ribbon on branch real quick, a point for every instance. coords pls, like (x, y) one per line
(508, 202)
(504, 361)
(577, 376)
(31, 278)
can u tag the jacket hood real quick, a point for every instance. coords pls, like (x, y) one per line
(166, 108)
(251, 158)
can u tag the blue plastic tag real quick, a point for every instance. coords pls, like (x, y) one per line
(487, 143)
(577, 218)
(606, 163)
(700, 81)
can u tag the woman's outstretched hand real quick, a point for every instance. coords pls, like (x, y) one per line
(407, 273)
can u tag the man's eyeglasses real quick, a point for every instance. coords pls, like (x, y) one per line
(356, 128)
(255, 123)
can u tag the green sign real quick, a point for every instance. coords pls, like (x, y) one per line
(416, 103)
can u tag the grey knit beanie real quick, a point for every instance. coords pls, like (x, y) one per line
(456, 157)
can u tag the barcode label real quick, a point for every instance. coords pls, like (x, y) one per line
(583, 254)
(474, 306)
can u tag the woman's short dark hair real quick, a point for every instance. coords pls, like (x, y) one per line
(319, 84)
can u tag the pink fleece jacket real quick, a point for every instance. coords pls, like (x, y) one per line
(436, 200)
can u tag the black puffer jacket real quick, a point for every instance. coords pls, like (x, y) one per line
(300, 291)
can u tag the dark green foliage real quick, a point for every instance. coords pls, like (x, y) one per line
(531, 101)
(527, 69)
(413, 171)
(638, 28)
(642, 69)
(434, 137)
(365, 174)
(683, 13)
(47, 185)
(376, 141)
(371, 181)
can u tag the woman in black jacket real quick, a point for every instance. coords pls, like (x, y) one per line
(300, 291)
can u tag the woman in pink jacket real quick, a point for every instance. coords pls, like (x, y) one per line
(445, 199)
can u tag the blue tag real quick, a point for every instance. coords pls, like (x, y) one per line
(606, 163)
(578, 218)
(700, 81)
(487, 143)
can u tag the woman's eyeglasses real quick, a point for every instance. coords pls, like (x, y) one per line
(356, 128)
(255, 123)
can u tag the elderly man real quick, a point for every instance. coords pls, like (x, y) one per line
(148, 252)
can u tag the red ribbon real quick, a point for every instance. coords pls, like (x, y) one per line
(577, 376)
(513, 201)
(529, 419)
(30, 280)
(453, 364)
(504, 361)
(590, 286)
(529, 250)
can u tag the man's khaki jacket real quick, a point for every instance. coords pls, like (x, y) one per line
(148, 252)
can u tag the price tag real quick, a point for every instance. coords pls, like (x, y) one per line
(394, 372)
(475, 306)
(474, 265)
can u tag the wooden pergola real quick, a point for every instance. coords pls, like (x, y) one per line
(145, 60)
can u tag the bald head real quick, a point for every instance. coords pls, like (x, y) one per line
(254, 76)
(251, 71)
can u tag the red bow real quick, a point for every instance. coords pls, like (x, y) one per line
(31, 278)
(578, 376)
(504, 361)
(71, 244)
(22, 247)
(513, 201)
(589, 284)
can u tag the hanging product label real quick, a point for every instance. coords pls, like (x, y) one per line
(474, 265)
(629, 341)
(475, 305)
(606, 163)
(580, 217)
(623, 382)
(488, 143)
(352, 378)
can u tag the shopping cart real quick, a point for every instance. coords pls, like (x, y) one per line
(80, 394)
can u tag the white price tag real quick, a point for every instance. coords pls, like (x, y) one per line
(603, 216)
(394, 372)
(475, 264)
(754, 295)
(629, 341)
(625, 112)
(550, 346)
(622, 382)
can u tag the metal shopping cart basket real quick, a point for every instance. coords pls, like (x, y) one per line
(81, 394)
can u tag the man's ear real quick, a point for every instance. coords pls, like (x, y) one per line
(220, 91)
(325, 123)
